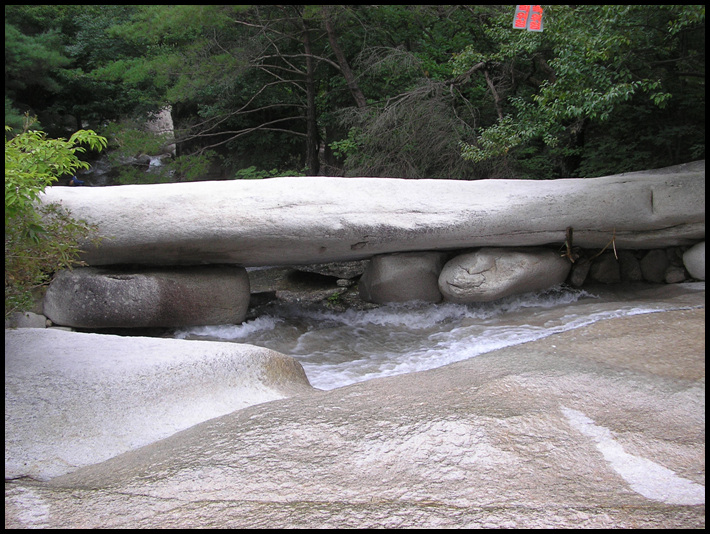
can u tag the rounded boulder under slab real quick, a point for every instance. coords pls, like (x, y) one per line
(90, 297)
(493, 273)
(402, 277)
(694, 261)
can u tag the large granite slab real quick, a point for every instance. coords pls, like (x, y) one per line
(305, 220)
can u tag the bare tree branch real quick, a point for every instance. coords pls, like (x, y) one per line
(496, 98)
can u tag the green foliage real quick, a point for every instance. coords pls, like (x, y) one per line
(191, 168)
(252, 173)
(34, 251)
(415, 120)
(336, 299)
(30, 61)
(39, 239)
(128, 139)
(451, 90)
(185, 50)
(589, 62)
(33, 161)
(347, 147)
(13, 118)
(415, 136)
(50, 54)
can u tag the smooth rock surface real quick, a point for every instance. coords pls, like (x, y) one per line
(694, 261)
(402, 277)
(25, 320)
(88, 297)
(305, 220)
(74, 399)
(599, 427)
(493, 273)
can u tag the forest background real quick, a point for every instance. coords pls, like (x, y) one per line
(371, 90)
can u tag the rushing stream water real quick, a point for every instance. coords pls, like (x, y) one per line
(340, 348)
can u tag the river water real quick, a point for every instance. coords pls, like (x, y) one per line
(341, 348)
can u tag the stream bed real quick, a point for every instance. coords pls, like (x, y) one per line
(337, 348)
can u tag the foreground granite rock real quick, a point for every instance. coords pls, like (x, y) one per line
(74, 399)
(599, 427)
(306, 220)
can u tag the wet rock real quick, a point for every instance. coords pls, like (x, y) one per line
(654, 265)
(694, 261)
(629, 266)
(605, 269)
(403, 277)
(126, 298)
(599, 427)
(580, 271)
(493, 273)
(674, 275)
(74, 399)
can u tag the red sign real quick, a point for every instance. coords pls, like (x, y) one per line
(528, 18)
(521, 17)
(535, 20)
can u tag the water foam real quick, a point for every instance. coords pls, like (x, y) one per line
(232, 331)
(340, 348)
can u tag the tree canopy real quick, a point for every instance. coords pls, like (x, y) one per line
(417, 91)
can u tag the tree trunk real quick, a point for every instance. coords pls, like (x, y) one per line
(312, 163)
(343, 62)
(573, 159)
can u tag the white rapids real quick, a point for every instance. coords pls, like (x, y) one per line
(337, 349)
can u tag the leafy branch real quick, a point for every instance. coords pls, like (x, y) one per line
(39, 238)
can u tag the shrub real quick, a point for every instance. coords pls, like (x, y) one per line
(40, 239)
